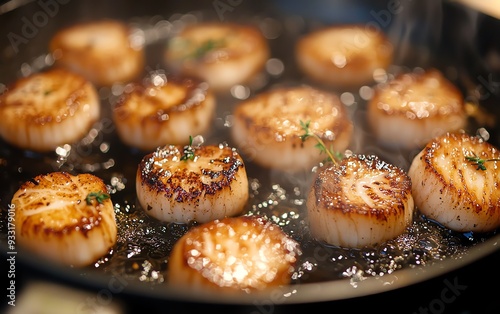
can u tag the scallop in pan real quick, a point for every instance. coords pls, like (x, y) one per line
(455, 182)
(104, 51)
(163, 110)
(360, 201)
(68, 219)
(237, 254)
(415, 107)
(222, 54)
(48, 109)
(343, 56)
(268, 127)
(199, 183)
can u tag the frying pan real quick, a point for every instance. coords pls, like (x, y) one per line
(445, 35)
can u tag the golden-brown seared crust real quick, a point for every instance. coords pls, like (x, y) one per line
(239, 254)
(212, 185)
(170, 179)
(361, 201)
(104, 51)
(268, 127)
(54, 219)
(150, 115)
(220, 53)
(336, 187)
(37, 195)
(419, 95)
(451, 189)
(269, 111)
(343, 56)
(47, 109)
(411, 109)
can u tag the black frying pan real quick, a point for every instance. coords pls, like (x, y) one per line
(444, 35)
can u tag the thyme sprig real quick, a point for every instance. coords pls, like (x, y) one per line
(205, 47)
(100, 197)
(332, 155)
(479, 162)
(189, 49)
(188, 152)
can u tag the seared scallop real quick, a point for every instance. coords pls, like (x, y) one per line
(48, 109)
(415, 107)
(238, 254)
(268, 127)
(192, 183)
(104, 51)
(165, 110)
(222, 54)
(343, 56)
(68, 219)
(360, 201)
(456, 180)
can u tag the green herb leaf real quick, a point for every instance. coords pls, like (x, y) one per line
(479, 162)
(188, 151)
(205, 47)
(332, 155)
(189, 49)
(100, 197)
